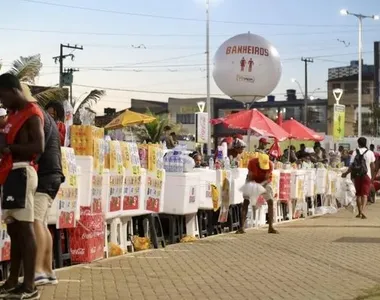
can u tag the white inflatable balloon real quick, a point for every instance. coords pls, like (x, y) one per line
(247, 67)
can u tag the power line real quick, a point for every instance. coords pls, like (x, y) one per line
(189, 47)
(177, 18)
(162, 92)
(167, 34)
(172, 67)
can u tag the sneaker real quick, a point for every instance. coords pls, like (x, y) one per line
(52, 279)
(41, 279)
(21, 294)
(4, 292)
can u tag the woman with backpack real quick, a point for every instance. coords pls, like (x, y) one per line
(362, 171)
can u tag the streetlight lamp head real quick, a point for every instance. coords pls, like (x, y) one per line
(293, 80)
(376, 17)
(344, 12)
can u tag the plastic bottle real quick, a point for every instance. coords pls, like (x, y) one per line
(227, 163)
(171, 163)
(180, 164)
(211, 163)
(166, 163)
(174, 164)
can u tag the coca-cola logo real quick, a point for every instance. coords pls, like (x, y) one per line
(79, 251)
(91, 235)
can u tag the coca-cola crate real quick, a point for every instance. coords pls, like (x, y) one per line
(285, 186)
(87, 239)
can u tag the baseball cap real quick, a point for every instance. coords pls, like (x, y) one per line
(3, 112)
(264, 161)
(264, 141)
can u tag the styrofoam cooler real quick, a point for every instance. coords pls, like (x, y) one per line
(52, 211)
(182, 193)
(206, 177)
(238, 178)
(141, 204)
(321, 181)
(310, 178)
(110, 211)
(285, 185)
(276, 184)
(297, 190)
(86, 163)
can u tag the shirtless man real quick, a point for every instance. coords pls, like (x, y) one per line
(18, 177)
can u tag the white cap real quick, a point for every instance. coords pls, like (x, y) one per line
(3, 112)
(309, 150)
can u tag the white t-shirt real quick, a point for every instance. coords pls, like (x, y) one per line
(369, 158)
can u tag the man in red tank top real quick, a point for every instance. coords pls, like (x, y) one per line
(18, 177)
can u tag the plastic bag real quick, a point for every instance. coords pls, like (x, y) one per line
(252, 190)
(323, 210)
(114, 250)
(141, 243)
(346, 194)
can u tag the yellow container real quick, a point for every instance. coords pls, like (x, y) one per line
(82, 138)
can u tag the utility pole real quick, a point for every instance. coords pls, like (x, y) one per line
(62, 75)
(306, 60)
(69, 74)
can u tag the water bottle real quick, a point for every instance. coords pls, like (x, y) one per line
(174, 164)
(171, 163)
(166, 163)
(211, 163)
(227, 163)
(180, 164)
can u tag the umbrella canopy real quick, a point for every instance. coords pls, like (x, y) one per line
(254, 120)
(128, 118)
(298, 131)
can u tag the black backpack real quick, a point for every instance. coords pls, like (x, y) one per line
(359, 165)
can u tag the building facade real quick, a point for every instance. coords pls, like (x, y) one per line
(183, 111)
(349, 85)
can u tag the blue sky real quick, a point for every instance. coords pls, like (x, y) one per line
(296, 28)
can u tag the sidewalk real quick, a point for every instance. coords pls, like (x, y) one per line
(331, 257)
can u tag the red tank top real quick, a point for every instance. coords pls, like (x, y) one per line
(14, 123)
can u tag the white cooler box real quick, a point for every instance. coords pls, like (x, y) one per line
(206, 177)
(238, 178)
(181, 193)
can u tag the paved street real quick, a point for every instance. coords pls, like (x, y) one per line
(332, 257)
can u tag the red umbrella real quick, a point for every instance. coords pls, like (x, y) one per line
(275, 150)
(298, 131)
(255, 121)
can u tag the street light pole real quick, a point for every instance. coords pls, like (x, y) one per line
(306, 60)
(208, 101)
(360, 17)
(360, 73)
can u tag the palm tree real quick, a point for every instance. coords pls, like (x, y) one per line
(153, 131)
(86, 103)
(27, 69)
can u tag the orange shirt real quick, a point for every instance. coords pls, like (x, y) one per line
(258, 174)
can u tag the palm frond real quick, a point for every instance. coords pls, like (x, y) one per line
(92, 98)
(27, 68)
(44, 97)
